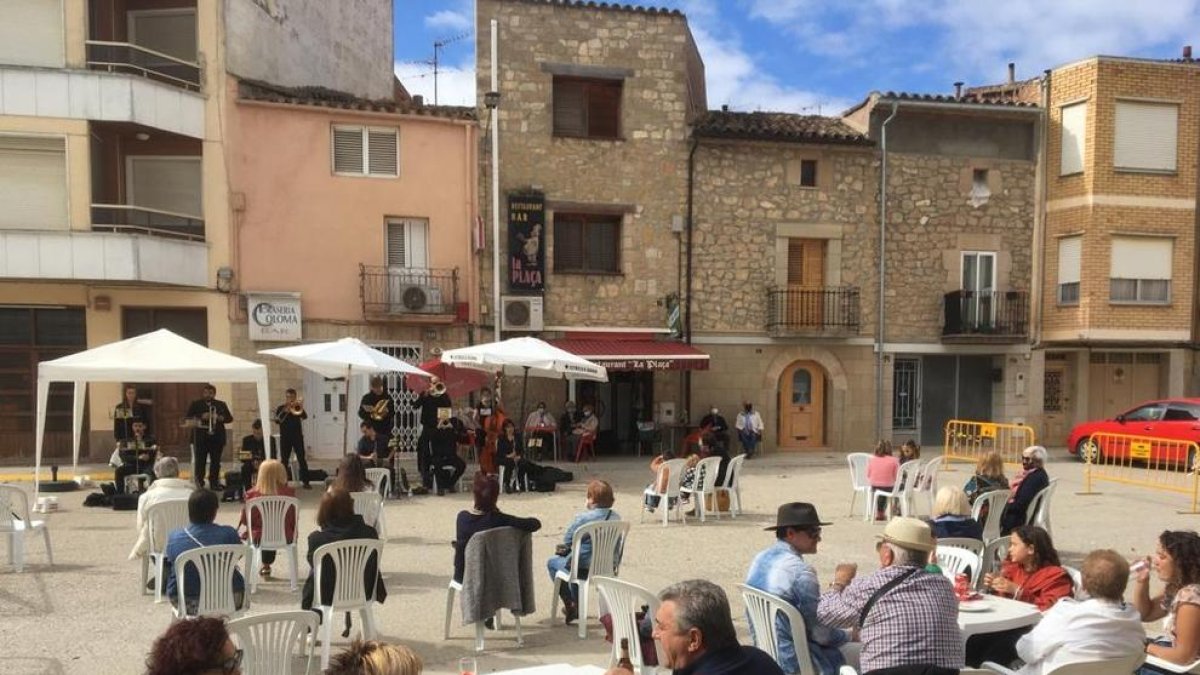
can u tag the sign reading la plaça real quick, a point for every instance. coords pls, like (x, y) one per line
(527, 241)
(274, 317)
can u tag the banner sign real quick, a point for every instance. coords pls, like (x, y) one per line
(527, 241)
(664, 363)
(274, 317)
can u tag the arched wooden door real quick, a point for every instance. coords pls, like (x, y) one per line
(802, 406)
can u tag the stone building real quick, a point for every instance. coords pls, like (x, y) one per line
(594, 103)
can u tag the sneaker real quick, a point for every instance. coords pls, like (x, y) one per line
(264, 571)
(490, 623)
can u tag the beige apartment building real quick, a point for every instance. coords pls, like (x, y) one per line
(1118, 298)
(119, 214)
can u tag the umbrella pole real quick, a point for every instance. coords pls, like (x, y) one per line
(346, 417)
(524, 387)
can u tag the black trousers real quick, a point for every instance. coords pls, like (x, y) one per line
(208, 453)
(425, 455)
(514, 473)
(449, 469)
(295, 444)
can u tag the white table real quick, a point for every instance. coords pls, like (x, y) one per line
(1000, 614)
(553, 669)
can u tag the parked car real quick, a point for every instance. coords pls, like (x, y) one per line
(1170, 419)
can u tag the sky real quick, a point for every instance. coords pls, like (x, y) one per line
(822, 56)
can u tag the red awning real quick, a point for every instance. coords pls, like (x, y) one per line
(627, 354)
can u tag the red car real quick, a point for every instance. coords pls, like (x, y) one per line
(1175, 419)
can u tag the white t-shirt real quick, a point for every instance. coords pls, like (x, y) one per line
(1073, 631)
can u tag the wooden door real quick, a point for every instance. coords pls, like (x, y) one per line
(1057, 394)
(170, 404)
(802, 406)
(806, 281)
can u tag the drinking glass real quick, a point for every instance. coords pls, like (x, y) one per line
(466, 665)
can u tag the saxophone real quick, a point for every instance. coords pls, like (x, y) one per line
(380, 411)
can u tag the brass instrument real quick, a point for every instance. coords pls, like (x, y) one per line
(380, 411)
(297, 408)
(212, 412)
(438, 388)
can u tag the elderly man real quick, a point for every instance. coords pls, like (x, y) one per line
(907, 618)
(168, 486)
(781, 570)
(1031, 480)
(1100, 628)
(695, 630)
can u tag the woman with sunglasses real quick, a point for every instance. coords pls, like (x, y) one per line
(199, 646)
(1026, 485)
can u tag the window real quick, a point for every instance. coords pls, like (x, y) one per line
(1069, 249)
(1145, 136)
(587, 243)
(1151, 412)
(801, 387)
(587, 108)
(407, 243)
(980, 190)
(365, 151)
(33, 183)
(31, 33)
(165, 183)
(1140, 270)
(167, 31)
(1182, 412)
(1074, 138)
(808, 173)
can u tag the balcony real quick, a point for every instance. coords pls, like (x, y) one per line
(986, 316)
(123, 218)
(124, 57)
(830, 311)
(409, 294)
(70, 255)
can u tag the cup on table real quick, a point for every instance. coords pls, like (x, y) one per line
(466, 665)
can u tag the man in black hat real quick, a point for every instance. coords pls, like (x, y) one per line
(781, 570)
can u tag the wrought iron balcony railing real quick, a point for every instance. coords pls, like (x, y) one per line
(986, 314)
(796, 309)
(402, 292)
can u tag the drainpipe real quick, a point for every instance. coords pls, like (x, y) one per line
(687, 308)
(880, 333)
(1037, 308)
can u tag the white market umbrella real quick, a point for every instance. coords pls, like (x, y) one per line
(525, 356)
(346, 358)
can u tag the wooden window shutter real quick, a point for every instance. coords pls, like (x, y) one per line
(570, 109)
(604, 109)
(568, 243)
(381, 147)
(795, 269)
(603, 244)
(806, 262)
(348, 150)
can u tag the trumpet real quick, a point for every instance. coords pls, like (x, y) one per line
(380, 411)
(209, 421)
(438, 388)
(297, 408)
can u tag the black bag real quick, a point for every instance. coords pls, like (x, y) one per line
(97, 499)
(317, 475)
(124, 502)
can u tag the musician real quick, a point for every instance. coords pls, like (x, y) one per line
(371, 446)
(435, 405)
(125, 412)
(444, 459)
(209, 415)
(376, 409)
(716, 425)
(291, 434)
(252, 454)
(137, 454)
(483, 410)
(540, 428)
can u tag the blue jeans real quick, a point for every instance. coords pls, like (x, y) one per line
(562, 563)
(749, 440)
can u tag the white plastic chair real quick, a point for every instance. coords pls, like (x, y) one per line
(272, 514)
(733, 484)
(381, 478)
(162, 518)
(994, 502)
(1039, 509)
(973, 545)
(16, 522)
(849, 670)
(674, 469)
(369, 505)
(926, 483)
(704, 485)
(268, 641)
(608, 543)
(994, 553)
(858, 477)
(456, 587)
(955, 561)
(624, 600)
(1077, 591)
(215, 566)
(1123, 666)
(349, 558)
(762, 608)
(902, 490)
(1168, 667)
(522, 486)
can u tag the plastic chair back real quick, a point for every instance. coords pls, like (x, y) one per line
(272, 513)
(349, 558)
(381, 478)
(993, 502)
(733, 472)
(994, 552)
(706, 474)
(1168, 667)
(268, 641)
(674, 467)
(1039, 508)
(1106, 667)
(973, 545)
(858, 470)
(624, 600)
(955, 561)
(762, 609)
(1077, 581)
(215, 566)
(163, 517)
(608, 543)
(368, 504)
(14, 507)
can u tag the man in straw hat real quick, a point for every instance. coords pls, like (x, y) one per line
(781, 570)
(907, 618)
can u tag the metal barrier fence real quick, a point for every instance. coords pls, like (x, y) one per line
(967, 440)
(1163, 464)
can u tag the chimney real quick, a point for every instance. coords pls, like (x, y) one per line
(418, 100)
(1187, 52)
(958, 89)
(724, 107)
(1012, 72)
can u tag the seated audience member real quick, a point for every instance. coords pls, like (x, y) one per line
(1031, 480)
(168, 486)
(371, 657)
(444, 461)
(913, 626)
(909, 451)
(371, 448)
(137, 454)
(272, 481)
(199, 646)
(749, 427)
(202, 531)
(485, 515)
(989, 476)
(952, 515)
(659, 484)
(599, 508)
(1177, 563)
(1097, 629)
(510, 456)
(338, 522)
(694, 629)
(882, 469)
(586, 426)
(781, 570)
(252, 455)
(714, 423)
(540, 428)
(352, 475)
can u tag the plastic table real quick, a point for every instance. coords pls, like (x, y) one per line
(997, 614)
(553, 669)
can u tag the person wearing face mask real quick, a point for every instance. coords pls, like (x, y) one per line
(587, 425)
(716, 425)
(749, 427)
(1031, 480)
(540, 429)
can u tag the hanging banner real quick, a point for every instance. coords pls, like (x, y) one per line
(527, 241)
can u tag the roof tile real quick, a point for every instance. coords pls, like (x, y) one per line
(255, 90)
(777, 126)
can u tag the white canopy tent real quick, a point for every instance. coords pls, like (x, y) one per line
(161, 356)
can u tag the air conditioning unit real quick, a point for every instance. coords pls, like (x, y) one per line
(410, 293)
(521, 313)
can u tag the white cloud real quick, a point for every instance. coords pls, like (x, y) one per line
(448, 20)
(455, 83)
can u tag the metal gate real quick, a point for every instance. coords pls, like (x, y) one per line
(906, 394)
(406, 425)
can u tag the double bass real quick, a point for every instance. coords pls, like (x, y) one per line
(492, 426)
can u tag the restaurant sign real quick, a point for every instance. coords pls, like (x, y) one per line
(664, 363)
(274, 317)
(527, 241)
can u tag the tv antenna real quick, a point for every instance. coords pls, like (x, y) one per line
(438, 46)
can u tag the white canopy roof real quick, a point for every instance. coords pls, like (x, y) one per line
(161, 356)
(525, 355)
(343, 358)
